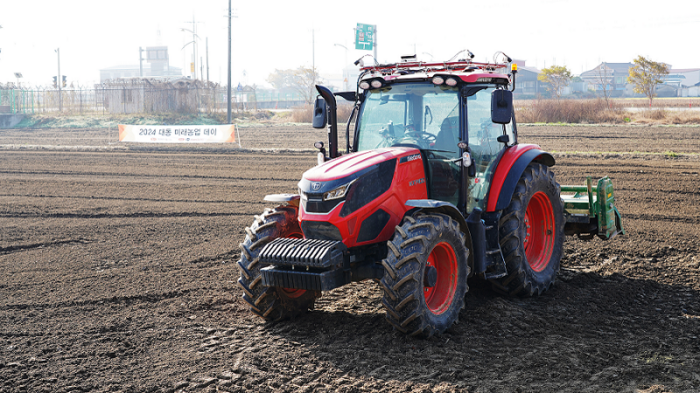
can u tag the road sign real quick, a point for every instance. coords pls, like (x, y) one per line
(364, 36)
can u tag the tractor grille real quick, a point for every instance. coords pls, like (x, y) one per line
(303, 252)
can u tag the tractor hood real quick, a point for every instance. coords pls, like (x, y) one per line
(349, 167)
(359, 198)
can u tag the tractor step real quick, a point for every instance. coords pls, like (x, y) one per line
(591, 211)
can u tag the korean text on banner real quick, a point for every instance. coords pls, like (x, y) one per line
(177, 134)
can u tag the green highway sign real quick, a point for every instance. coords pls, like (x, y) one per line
(364, 36)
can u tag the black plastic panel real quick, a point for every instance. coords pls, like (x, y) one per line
(369, 186)
(373, 225)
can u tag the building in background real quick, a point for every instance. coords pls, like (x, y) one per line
(610, 77)
(526, 83)
(156, 64)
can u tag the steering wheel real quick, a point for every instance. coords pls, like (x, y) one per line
(422, 136)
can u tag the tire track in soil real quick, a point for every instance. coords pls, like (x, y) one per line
(121, 300)
(658, 218)
(25, 247)
(129, 175)
(118, 215)
(99, 198)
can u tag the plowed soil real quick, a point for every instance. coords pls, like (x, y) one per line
(118, 273)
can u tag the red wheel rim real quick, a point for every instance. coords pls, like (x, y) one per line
(539, 231)
(291, 292)
(444, 260)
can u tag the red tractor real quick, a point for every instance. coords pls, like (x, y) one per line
(433, 189)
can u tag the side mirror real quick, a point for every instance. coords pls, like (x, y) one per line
(501, 106)
(320, 113)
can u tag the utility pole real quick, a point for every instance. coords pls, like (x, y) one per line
(59, 82)
(374, 38)
(228, 88)
(207, 47)
(194, 47)
(140, 62)
(193, 64)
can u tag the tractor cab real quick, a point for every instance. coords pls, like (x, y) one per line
(435, 118)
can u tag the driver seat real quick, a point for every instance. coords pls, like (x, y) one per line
(447, 138)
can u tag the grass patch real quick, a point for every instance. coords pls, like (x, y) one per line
(669, 154)
(554, 112)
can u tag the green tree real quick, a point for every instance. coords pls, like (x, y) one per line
(645, 75)
(301, 80)
(558, 77)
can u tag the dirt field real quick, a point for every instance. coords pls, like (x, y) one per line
(118, 274)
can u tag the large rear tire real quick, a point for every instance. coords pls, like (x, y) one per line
(271, 304)
(425, 275)
(531, 229)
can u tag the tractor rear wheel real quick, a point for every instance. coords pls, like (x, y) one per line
(272, 304)
(425, 275)
(531, 229)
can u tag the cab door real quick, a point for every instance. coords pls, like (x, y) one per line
(485, 148)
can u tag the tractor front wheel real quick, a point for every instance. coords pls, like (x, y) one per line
(425, 275)
(272, 304)
(531, 229)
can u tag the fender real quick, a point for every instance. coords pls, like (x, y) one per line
(440, 207)
(510, 168)
(432, 205)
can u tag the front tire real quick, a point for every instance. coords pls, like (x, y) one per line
(531, 229)
(425, 275)
(271, 303)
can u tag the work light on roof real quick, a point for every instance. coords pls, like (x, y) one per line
(438, 80)
(376, 83)
(451, 82)
(364, 85)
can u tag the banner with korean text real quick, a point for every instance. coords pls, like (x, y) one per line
(177, 134)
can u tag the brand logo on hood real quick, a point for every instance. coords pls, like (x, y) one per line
(315, 186)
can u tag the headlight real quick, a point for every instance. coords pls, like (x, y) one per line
(376, 84)
(338, 192)
(438, 80)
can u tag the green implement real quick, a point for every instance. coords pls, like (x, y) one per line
(591, 211)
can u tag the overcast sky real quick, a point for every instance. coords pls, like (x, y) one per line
(269, 34)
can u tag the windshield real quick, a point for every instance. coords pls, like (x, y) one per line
(420, 114)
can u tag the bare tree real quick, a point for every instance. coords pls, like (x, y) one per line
(605, 78)
(645, 75)
(302, 80)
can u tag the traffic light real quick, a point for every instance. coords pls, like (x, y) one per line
(64, 81)
(54, 82)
